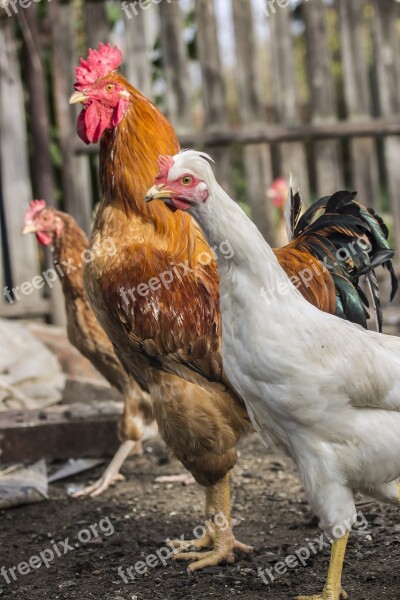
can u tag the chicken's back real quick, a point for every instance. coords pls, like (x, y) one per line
(84, 331)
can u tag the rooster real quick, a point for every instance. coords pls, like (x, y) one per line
(158, 296)
(69, 245)
(323, 391)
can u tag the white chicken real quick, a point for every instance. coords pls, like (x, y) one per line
(323, 391)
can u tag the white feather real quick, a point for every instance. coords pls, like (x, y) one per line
(322, 390)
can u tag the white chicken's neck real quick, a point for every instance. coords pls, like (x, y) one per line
(222, 219)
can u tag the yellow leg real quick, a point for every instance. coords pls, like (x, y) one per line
(219, 534)
(333, 587)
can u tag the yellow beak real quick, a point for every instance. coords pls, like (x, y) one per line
(158, 192)
(78, 97)
(28, 228)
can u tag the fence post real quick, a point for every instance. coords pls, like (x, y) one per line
(257, 158)
(14, 165)
(213, 85)
(77, 185)
(174, 58)
(41, 161)
(323, 96)
(388, 74)
(137, 55)
(96, 23)
(42, 167)
(358, 100)
(293, 156)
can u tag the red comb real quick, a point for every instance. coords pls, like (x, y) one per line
(164, 165)
(99, 63)
(34, 207)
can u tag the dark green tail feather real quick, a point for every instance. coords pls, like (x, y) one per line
(347, 224)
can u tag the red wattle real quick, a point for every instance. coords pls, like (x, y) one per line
(81, 127)
(44, 238)
(96, 118)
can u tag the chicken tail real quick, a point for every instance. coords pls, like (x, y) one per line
(351, 241)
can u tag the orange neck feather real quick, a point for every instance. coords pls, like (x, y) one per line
(128, 167)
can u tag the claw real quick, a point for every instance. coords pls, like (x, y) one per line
(111, 475)
(99, 486)
(199, 544)
(223, 552)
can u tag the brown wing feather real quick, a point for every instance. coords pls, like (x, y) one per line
(308, 274)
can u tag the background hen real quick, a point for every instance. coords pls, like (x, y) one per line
(69, 246)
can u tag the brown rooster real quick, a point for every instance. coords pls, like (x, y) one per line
(69, 246)
(157, 297)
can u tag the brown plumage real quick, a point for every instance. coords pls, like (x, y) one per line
(69, 246)
(169, 337)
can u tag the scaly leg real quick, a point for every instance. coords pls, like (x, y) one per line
(333, 587)
(219, 534)
(111, 475)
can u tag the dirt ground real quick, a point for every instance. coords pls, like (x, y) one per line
(129, 523)
(272, 515)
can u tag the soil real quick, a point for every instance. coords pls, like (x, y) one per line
(271, 512)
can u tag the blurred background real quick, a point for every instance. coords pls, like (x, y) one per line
(268, 87)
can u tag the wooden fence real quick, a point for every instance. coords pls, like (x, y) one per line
(314, 91)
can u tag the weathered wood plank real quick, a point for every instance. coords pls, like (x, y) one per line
(257, 158)
(97, 27)
(76, 179)
(60, 432)
(323, 96)
(358, 99)
(14, 165)
(174, 59)
(293, 156)
(38, 108)
(387, 58)
(213, 85)
(137, 63)
(262, 133)
(39, 128)
(259, 134)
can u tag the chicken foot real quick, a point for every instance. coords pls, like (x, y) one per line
(111, 475)
(219, 534)
(333, 587)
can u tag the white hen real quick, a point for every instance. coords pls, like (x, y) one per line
(323, 391)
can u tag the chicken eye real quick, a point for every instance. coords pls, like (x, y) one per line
(186, 180)
(109, 87)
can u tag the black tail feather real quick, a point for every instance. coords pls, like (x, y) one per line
(352, 241)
